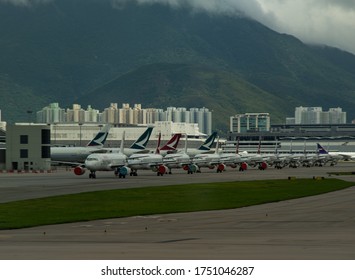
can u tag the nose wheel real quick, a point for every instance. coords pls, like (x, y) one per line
(92, 175)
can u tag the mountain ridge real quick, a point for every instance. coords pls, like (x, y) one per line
(69, 50)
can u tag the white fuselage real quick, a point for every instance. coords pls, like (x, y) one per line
(177, 160)
(145, 161)
(344, 155)
(72, 154)
(105, 162)
(207, 160)
(231, 159)
(127, 151)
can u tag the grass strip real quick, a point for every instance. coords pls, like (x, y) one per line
(158, 200)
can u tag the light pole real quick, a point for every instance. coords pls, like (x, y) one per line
(55, 133)
(29, 112)
(80, 124)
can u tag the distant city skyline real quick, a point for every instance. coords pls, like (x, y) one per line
(54, 114)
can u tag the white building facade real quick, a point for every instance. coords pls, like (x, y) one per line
(316, 115)
(126, 115)
(250, 122)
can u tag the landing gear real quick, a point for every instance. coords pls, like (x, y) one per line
(92, 175)
(133, 173)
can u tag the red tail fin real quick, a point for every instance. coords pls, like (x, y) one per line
(157, 151)
(171, 145)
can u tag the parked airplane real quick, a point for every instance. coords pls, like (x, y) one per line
(79, 154)
(347, 155)
(205, 147)
(279, 160)
(308, 159)
(209, 160)
(149, 161)
(336, 155)
(180, 160)
(116, 162)
(333, 158)
(294, 159)
(258, 159)
(235, 159)
(139, 146)
(171, 145)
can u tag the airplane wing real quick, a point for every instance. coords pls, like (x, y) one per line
(68, 163)
(114, 166)
(347, 157)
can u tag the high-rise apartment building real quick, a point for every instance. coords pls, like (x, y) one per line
(53, 114)
(250, 122)
(316, 115)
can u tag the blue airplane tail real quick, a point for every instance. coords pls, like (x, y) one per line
(321, 150)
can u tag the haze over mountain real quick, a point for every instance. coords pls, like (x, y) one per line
(89, 52)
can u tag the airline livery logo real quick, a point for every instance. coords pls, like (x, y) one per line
(99, 140)
(209, 142)
(321, 150)
(142, 141)
(172, 144)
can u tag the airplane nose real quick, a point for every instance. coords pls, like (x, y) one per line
(90, 164)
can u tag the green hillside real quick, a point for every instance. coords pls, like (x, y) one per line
(70, 51)
(182, 85)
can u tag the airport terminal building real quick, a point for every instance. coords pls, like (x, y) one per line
(336, 137)
(28, 147)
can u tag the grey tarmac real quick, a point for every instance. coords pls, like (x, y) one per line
(317, 227)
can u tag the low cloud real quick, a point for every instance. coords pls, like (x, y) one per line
(326, 22)
(313, 21)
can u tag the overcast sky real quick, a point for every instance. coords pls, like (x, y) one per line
(330, 22)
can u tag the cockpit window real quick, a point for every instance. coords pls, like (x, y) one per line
(92, 159)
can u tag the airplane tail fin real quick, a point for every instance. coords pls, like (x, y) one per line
(100, 138)
(321, 150)
(141, 142)
(172, 143)
(206, 146)
(185, 147)
(217, 146)
(157, 151)
(122, 142)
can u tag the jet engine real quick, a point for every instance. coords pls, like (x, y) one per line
(78, 170)
(221, 167)
(162, 169)
(263, 166)
(191, 168)
(243, 166)
(123, 171)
